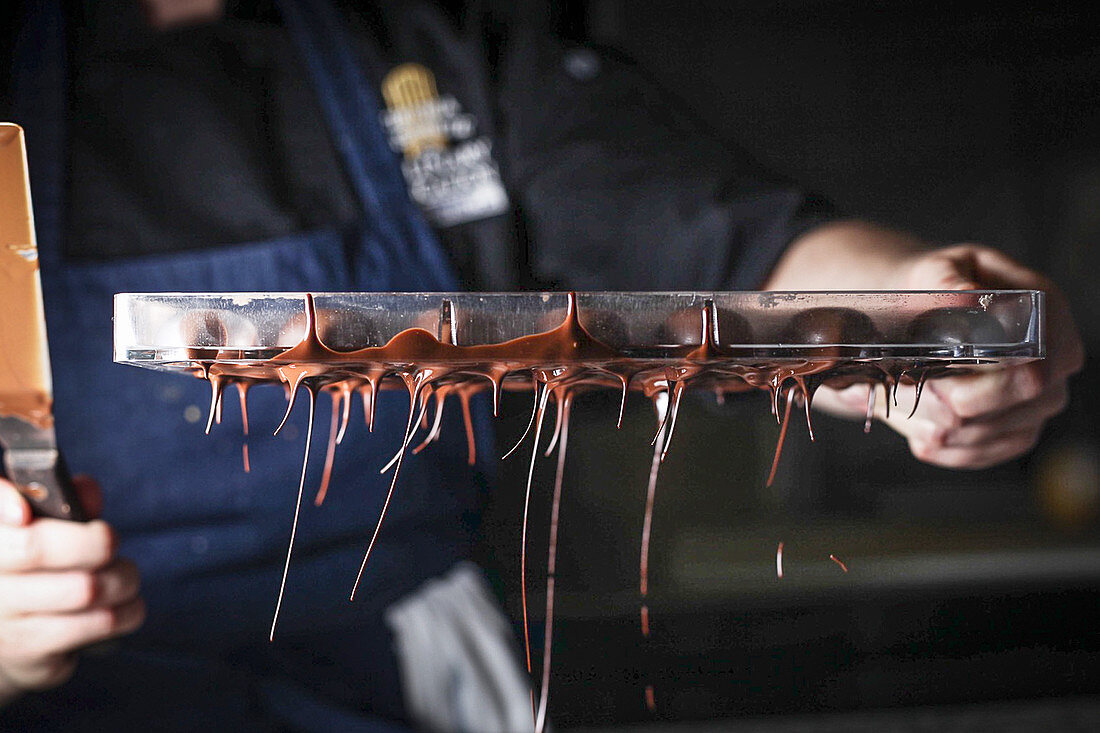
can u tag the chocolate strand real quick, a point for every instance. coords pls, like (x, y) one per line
(565, 402)
(409, 436)
(437, 421)
(674, 411)
(661, 406)
(414, 392)
(541, 394)
(622, 401)
(297, 511)
(292, 384)
(663, 414)
(559, 413)
(530, 422)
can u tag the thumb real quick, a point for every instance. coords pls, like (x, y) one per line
(950, 268)
(998, 270)
(954, 268)
(14, 509)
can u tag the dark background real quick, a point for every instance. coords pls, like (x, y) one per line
(959, 122)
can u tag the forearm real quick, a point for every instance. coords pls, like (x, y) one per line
(845, 255)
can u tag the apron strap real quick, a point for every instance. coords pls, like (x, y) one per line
(349, 104)
(39, 102)
(39, 89)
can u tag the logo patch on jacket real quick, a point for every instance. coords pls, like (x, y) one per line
(450, 172)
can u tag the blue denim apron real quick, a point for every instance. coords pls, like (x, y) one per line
(210, 539)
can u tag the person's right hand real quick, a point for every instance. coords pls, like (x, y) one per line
(61, 588)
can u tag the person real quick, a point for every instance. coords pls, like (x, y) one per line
(306, 145)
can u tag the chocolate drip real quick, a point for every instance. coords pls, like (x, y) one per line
(367, 392)
(216, 385)
(807, 387)
(782, 437)
(558, 362)
(918, 389)
(242, 393)
(345, 397)
(870, 408)
(330, 449)
(467, 420)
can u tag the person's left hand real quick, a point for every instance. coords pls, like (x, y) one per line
(984, 418)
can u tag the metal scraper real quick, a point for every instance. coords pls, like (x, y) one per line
(31, 459)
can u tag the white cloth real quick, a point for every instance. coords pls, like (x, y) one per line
(456, 658)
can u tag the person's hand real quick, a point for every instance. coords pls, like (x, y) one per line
(980, 419)
(61, 588)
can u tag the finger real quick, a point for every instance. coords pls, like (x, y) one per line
(32, 638)
(950, 268)
(1065, 352)
(1008, 447)
(53, 544)
(68, 591)
(14, 509)
(1028, 416)
(989, 392)
(851, 402)
(998, 270)
(89, 493)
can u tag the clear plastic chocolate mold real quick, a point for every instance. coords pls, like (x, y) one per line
(173, 331)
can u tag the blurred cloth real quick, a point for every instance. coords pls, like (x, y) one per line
(454, 650)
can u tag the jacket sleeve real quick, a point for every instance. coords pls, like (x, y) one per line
(620, 188)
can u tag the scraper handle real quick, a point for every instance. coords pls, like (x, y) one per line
(46, 484)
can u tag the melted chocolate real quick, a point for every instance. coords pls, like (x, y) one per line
(706, 349)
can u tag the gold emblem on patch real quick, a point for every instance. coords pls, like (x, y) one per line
(448, 167)
(410, 94)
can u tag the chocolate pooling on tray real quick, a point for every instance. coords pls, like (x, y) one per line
(705, 349)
